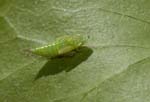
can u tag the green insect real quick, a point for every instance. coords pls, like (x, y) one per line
(61, 46)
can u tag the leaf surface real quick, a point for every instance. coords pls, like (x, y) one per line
(113, 67)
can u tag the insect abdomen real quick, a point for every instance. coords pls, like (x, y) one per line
(46, 51)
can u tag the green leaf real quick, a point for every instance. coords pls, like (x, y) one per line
(114, 67)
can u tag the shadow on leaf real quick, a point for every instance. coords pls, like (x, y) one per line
(58, 65)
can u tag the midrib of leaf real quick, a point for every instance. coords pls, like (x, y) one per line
(107, 46)
(17, 37)
(95, 46)
(77, 10)
(42, 42)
